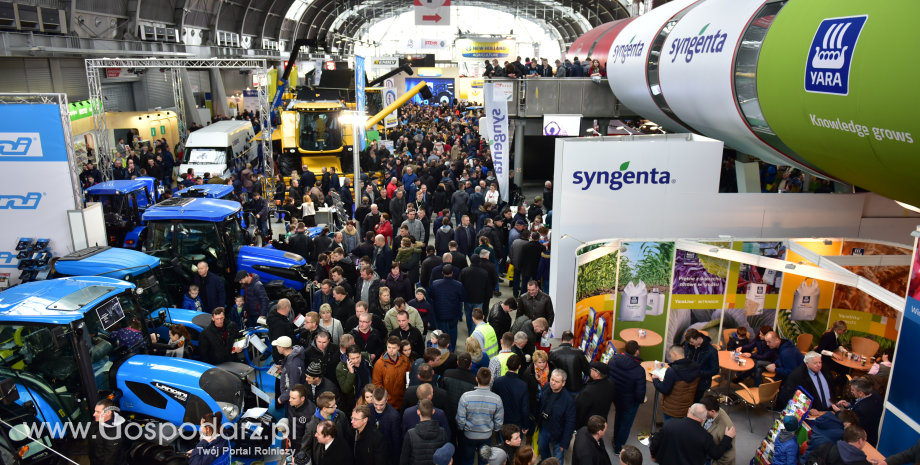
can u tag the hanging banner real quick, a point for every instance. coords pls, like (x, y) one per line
(698, 294)
(360, 96)
(389, 96)
(35, 201)
(415, 44)
(505, 90)
(251, 100)
(497, 114)
(480, 49)
(432, 13)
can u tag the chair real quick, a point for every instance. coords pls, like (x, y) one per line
(726, 334)
(803, 342)
(864, 346)
(619, 346)
(766, 392)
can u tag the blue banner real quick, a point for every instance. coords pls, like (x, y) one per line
(32, 133)
(360, 97)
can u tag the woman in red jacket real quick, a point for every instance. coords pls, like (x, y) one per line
(385, 228)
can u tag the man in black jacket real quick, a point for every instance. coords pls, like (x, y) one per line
(107, 443)
(509, 388)
(476, 281)
(815, 378)
(529, 260)
(299, 412)
(457, 381)
(307, 179)
(848, 451)
(494, 279)
(868, 406)
(301, 244)
(684, 441)
(343, 307)
(431, 261)
(279, 324)
(330, 447)
(259, 208)
(571, 360)
(596, 397)
(627, 372)
(425, 376)
(424, 439)
(211, 288)
(589, 443)
(325, 352)
(215, 343)
(370, 445)
(500, 315)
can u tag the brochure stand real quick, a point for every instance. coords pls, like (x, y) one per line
(798, 407)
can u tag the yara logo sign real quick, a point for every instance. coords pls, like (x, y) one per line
(20, 144)
(827, 70)
(617, 179)
(688, 46)
(20, 202)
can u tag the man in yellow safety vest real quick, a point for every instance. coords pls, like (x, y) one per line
(498, 365)
(484, 334)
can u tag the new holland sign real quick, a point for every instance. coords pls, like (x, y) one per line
(432, 12)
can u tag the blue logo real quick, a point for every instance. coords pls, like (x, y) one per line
(20, 144)
(617, 179)
(827, 70)
(554, 129)
(20, 202)
(8, 260)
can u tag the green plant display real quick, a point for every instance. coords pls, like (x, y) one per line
(626, 271)
(597, 277)
(654, 269)
(787, 328)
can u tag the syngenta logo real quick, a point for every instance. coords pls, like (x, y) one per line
(20, 202)
(827, 70)
(20, 144)
(616, 179)
(622, 52)
(688, 46)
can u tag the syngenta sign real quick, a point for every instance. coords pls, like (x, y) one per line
(700, 43)
(615, 180)
(632, 49)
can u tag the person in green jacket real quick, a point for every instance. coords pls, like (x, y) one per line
(353, 372)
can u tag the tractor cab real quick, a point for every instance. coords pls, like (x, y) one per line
(123, 204)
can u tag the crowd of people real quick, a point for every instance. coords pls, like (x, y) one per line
(541, 67)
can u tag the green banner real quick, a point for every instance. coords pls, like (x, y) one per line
(834, 84)
(80, 110)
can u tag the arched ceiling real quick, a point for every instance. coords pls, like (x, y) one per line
(322, 19)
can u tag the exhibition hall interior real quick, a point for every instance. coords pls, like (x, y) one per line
(447, 232)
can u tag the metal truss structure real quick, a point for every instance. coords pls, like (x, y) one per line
(95, 66)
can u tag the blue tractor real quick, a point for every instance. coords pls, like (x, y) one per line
(184, 232)
(123, 204)
(66, 343)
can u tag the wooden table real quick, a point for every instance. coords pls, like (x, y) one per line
(650, 339)
(854, 365)
(872, 453)
(727, 362)
(648, 377)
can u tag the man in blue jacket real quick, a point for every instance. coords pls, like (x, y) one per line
(447, 296)
(509, 387)
(555, 417)
(788, 356)
(627, 372)
(760, 353)
(698, 348)
(256, 297)
(828, 428)
(465, 236)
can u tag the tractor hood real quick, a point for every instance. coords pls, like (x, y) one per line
(273, 264)
(178, 390)
(105, 261)
(270, 257)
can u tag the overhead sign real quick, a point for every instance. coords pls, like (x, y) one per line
(383, 62)
(827, 70)
(112, 72)
(80, 110)
(389, 97)
(499, 141)
(468, 49)
(432, 12)
(505, 90)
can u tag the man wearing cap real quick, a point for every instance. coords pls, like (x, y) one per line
(596, 397)
(444, 455)
(316, 384)
(256, 298)
(292, 368)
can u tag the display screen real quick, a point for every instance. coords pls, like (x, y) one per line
(441, 88)
(561, 125)
(110, 313)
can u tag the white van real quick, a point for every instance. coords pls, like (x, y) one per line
(220, 149)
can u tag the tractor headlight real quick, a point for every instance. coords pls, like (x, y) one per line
(231, 411)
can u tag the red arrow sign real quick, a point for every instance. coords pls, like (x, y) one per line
(436, 17)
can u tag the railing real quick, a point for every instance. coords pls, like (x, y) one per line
(535, 97)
